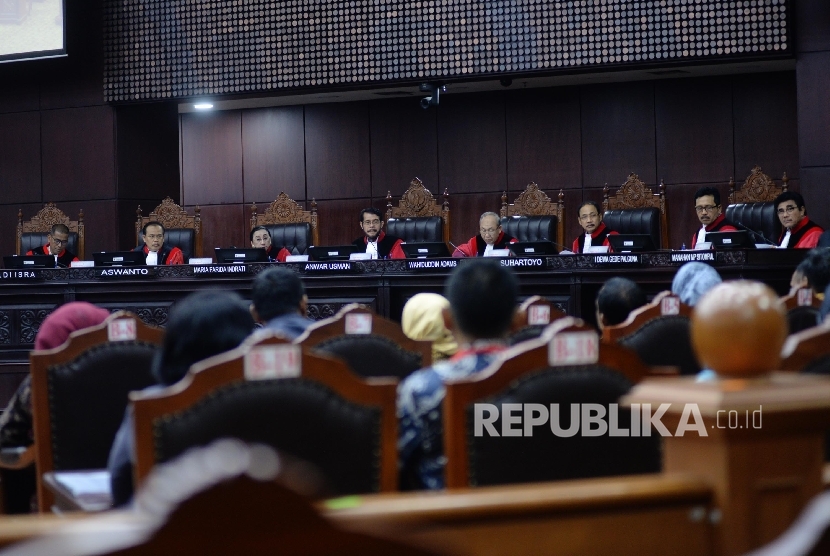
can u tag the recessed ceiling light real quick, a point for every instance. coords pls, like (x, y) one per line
(203, 106)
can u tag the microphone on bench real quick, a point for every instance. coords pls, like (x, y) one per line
(755, 234)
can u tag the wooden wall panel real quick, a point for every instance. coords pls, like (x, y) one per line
(223, 226)
(337, 151)
(404, 146)
(78, 149)
(813, 186)
(466, 209)
(273, 153)
(100, 223)
(683, 220)
(338, 219)
(147, 137)
(694, 130)
(20, 158)
(618, 133)
(472, 143)
(127, 216)
(764, 111)
(211, 165)
(20, 91)
(813, 82)
(813, 21)
(544, 139)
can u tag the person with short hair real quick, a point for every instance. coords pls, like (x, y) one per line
(596, 232)
(377, 243)
(709, 212)
(156, 251)
(799, 231)
(616, 299)
(813, 272)
(56, 241)
(201, 325)
(490, 236)
(279, 302)
(693, 280)
(480, 327)
(261, 238)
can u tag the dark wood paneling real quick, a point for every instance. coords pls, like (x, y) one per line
(78, 153)
(813, 186)
(211, 167)
(404, 145)
(273, 143)
(20, 91)
(338, 220)
(813, 82)
(8, 216)
(471, 143)
(127, 217)
(764, 112)
(20, 158)
(223, 226)
(337, 150)
(683, 222)
(694, 130)
(148, 151)
(813, 24)
(466, 209)
(618, 133)
(543, 139)
(100, 224)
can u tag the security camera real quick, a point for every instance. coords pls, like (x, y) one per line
(435, 97)
(425, 102)
(506, 82)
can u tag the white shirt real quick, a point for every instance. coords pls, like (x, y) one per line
(587, 241)
(786, 241)
(152, 258)
(701, 235)
(487, 250)
(372, 249)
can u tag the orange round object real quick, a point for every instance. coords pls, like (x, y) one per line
(738, 329)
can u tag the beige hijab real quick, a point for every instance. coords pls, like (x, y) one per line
(422, 320)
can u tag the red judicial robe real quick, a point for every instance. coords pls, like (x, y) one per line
(166, 255)
(389, 247)
(598, 237)
(65, 257)
(476, 246)
(721, 224)
(805, 235)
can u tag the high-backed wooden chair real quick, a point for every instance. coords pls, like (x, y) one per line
(567, 365)
(534, 315)
(808, 351)
(79, 393)
(752, 204)
(289, 225)
(370, 345)
(418, 216)
(533, 216)
(635, 209)
(659, 332)
(803, 309)
(32, 233)
(276, 393)
(180, 229)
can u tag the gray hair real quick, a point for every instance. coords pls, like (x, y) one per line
(693, 280)
(489, 213)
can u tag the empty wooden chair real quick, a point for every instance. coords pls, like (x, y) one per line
(370, 345)
(567, 365)
(79, 393)
(419, 218)
(634, 209)
(534, 315)
(659, 333)
(276, 393)
(180, 229)
(533, 216)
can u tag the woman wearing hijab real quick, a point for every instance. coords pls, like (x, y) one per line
(423, 319)
(16, 421)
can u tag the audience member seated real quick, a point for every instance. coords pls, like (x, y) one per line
(16, 421)
(156, 252)
(693, 280)
(203, 324)
(57, 240)
(616, 299)
(709, 212)
(423, 319)
(490, 237)
(262, 239)
(813, 272)
(596, 232)
(482, 296)
(279, 302)
(799, 231)
(377, 243)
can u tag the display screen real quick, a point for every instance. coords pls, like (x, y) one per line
(31, 29)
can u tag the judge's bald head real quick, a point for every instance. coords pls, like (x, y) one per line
(482, 296)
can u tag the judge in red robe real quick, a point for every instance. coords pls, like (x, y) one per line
(156, 252)
(708, 209)
(260, 237)
(56, 241)
(375, 241)
(590, 218)
(799, 231)
(490, 237)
